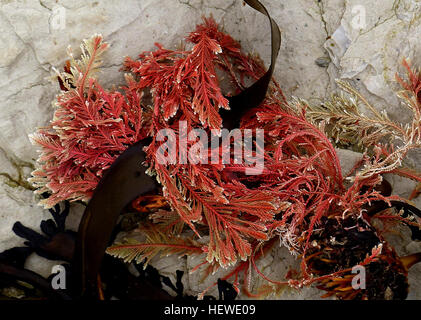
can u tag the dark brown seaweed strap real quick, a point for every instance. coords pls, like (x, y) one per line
(32, 278)
(253, 95)
(126, 179)
(123, 182)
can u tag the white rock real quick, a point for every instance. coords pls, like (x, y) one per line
(34, 36)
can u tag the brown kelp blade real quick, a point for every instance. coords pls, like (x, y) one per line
(409, 261)
(253, 95)
(123, 182)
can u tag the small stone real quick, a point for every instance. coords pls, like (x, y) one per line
(323, 62)
(13, 292)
